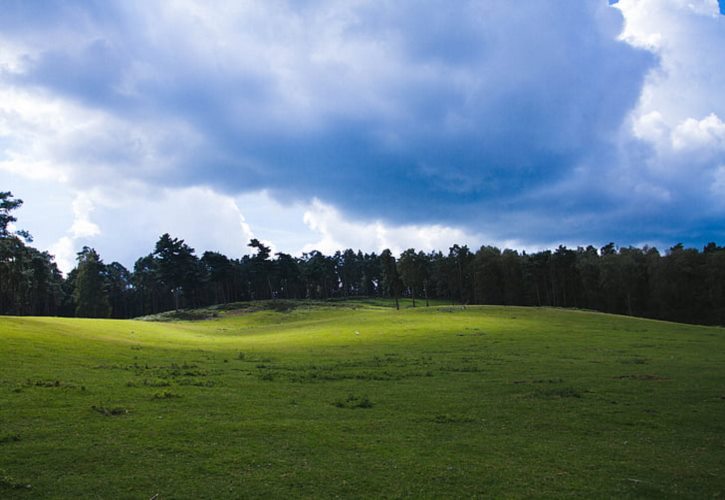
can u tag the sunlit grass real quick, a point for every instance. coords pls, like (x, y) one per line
(362, 400)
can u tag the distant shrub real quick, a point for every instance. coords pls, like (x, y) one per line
(451, 419)
(635, 361)
(156, 383)
(166, 395)
(562, 392)
(47, 383)
(182, 315)
(353, 401)
(196, 383)
(9, 438)
(9, 482)
(110, 412)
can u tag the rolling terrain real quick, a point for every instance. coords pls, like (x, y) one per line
(356, 399)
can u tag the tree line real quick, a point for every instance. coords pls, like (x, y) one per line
(681, 284)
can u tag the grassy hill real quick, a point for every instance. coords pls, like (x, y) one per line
(358, 399)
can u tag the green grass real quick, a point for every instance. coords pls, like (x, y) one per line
(360, 400)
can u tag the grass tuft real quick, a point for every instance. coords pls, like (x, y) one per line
(9, 438)
(110, 411)
(9, 482)
(352, 402)
(166, 395)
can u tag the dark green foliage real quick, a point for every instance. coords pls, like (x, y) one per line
(114, 411)
(30, 282)
(9, 482)
(452, 419)
(91, 295)
(178, 269)
(414, 269)
(118, 286)
(9, 438)
(563, 392)
(392, 284)
(166, 395)
(352, 402)
(683, 284)
(8, 203)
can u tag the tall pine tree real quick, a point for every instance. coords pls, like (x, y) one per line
(90, 292)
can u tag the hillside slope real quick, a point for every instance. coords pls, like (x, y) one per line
(362, 400)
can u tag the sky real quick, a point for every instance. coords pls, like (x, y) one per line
(367, 124)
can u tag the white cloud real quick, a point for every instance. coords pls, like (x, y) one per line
(82, 226)
(11, 59)
(708, 133)
(50, 138)
(338, 233)
(651, 127)
(687, 36)
(703, 137)
(64, 252)
(207, 220)
(204, 219)
(680, 110)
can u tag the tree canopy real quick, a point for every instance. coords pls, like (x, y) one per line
(681, 284)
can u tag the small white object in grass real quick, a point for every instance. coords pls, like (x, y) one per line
(357, 333)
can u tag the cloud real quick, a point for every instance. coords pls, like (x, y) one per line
(125, 229)
(403, 111)
(369, 122)
(705, 134)
(339, 233)
(83, 228)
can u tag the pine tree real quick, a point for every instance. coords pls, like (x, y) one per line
(392, 284)
(90, 291)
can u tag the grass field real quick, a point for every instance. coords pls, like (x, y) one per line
(361, 400)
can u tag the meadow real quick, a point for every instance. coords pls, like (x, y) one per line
(356, 399)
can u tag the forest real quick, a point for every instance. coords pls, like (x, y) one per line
(679, 284)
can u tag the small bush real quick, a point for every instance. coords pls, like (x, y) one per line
(9, 438)
(635, 361)
(166, 395)
(563, 392)
(353, 401)
(47, 383)
(156, 383)
(9, 482)
(110, 412)
(196, 383)
(451, 419)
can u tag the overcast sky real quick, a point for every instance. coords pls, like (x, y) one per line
(367, 124)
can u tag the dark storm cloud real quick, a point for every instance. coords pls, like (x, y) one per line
(411, 111)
